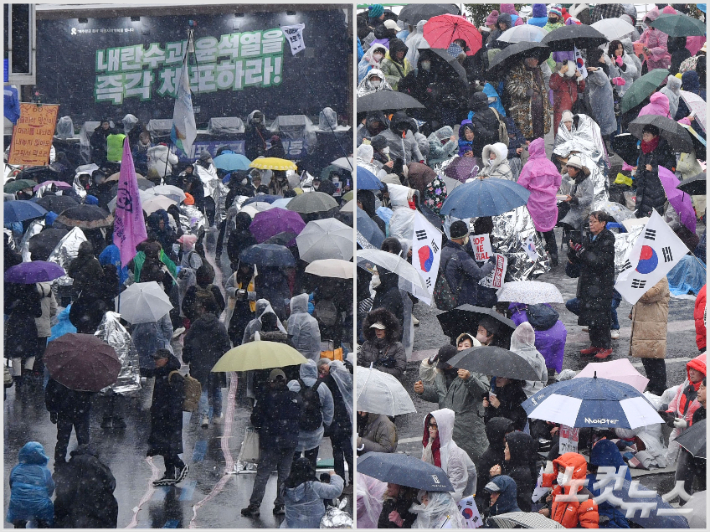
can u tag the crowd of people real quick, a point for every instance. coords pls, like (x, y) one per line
(211, 305)
(558, 120)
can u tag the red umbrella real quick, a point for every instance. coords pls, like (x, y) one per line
(441, 31)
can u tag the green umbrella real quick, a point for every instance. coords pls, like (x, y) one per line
(643, 88)
(679, 25)
(19, 184)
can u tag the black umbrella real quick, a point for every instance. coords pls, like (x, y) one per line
(404, 470)
(464, 319)
(268, 256)
(576, 35)
(85, 216)
(387, 100)
(695, 186)
(433, 218)
(495, 361)
(42, 244)
(694, 439)
(626, 146)
(698, 146)
(57, 203)
(678, 138)
(504, 60)
(281, 239)
(413, 13)
(451, 61)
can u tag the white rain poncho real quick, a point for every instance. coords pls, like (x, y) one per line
(262, 307)
(459, 468)
(128, 122)
(303, 328)
(414, 41)
(522, 342)
(370, 494)
(368, 62)
(366, 87)
(344, 379)
(440, 512)
(327, 120)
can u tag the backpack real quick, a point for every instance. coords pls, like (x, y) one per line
(193, 391)
(502, 129)
(311, 417)
(443, 296)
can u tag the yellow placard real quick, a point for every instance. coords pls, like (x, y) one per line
(32, 135)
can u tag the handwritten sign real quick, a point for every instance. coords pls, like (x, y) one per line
(481, 245)
(569, 439)
(33, 134)
(496, 278)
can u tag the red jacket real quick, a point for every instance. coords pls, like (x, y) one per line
(682, 402)
(698, 314)
(565, 92)
(573, 514)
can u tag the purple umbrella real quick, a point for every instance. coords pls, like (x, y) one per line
(37, 271)
(462, 168)
(274, 221)
(58, 184)
(681, 201)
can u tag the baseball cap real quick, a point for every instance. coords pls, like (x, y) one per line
(492, 487)
(275, 373)
(378, 325)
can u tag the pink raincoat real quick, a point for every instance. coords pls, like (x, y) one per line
(657, 43)
(659, 106)
(541, 178)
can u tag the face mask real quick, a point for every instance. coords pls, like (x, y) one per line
(426, 65)
(376, 83)
(561, 479)
(378, 57)
(552, 20)
(386, 151)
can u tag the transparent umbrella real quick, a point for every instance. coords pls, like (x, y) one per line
(325, 239)
(380, 393)
(392, 263)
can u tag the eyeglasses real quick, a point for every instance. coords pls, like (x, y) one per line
(434, 425)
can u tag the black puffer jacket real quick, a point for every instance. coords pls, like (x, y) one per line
(388, 296)
(485, 123)
(205, 343)
(69, 403)
(511, 396)
(166, 410)
(595, 287)
(519, 467)
(496, 429)
(649, 190)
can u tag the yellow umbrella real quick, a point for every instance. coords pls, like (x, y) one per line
(349, 196)
(273, 163)
(258, 355)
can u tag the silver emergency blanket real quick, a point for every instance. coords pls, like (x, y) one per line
(10, 239)
(586, 140)
(220, 201)
(617, 210)
(114, 334)
(336, 517)
(66, 251)
(34, 229)
(210, 181)
(191, 219)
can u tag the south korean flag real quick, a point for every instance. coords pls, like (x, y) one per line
(654, 254)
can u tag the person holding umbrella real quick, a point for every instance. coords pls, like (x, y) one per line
(529, 104)
(654, 42)
(68, 409)
(396, 507)
(655, 152)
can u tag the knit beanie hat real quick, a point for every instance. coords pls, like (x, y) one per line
(555, 10)
(376, 10)
(508, 8)
(539, 10)
(668, 10)
(492, 18)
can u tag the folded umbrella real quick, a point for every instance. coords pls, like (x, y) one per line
(143, 303)
(20, 210)
(82, 362)
(573, 36)
(56, 204)
(592, 402)
(36, 271)
(387, 101)
(442, 30)
(392, 263)
(41, 245)
(381, 393)
(694, 439)
(616, 370)
(85, 217)
(523, 33)
(404, 470)
(312, 203)
(530, 293)
(613, 28)
(677, 137)
(464, 319)
(273, 163)
(366, 180)
(642, 88)
(231, 162)
(413, 13)
(495, 361)
(18, 184)
(484, 197)
(463, 168)
(258, 354)
(325, 239)
(679, 25)
(681, 201)
(695, 186)
(274, 221)
(697, 106)
(268, 256)
(336, 268)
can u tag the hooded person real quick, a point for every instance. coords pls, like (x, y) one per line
(414, 41)
(382, 347)
(395, 65)
(309, 440)
(659, 105)
(565, 84)
(539, 15)
(679, 53)
(496, 430)
(679, 413)
(550, 332)
(31, 488)
(581, 195)
(462, 392)
(262, 307)
(510, 10)
(161, 160)
(240, 237)
(522, 342)
(690, 83)
(495, 162)
(600, 92)
(400, 139)
(466, 137)
(656, 42)
(255, 135)
(655, 152)
(437, 509)
(428, 368)
(440, 450)
(672, 92)
(366, 201)
(304, 495)
(442, 146)
(375, 123)
(389, 297)
(371, 60)
(605, 453)
(485, 124)
(505, 399)
(520, 465)
(373, 81)
(303, 328)
(503, 494)
(570, 512)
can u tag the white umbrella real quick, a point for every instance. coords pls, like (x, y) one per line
(349, 206)
(156, 203)
(258, 206)
(325, 239)
(169, 191)
(393, 263)
(697, 106)
(340, 269)
(144, 197)
(346, 163)
(530, 293)
(523, 33)
(613, 28)
(281, 203)
(143, 303)
(381, 393)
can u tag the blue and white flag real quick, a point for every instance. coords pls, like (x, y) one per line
(184, 130)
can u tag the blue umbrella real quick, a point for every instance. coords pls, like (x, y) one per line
(702, 7)
(266, 198)
(366, 180)
(20, 210)
(267, 256)
(485, 197)
(367, 227)
(231, 162)
(585, 402)
(404, 470)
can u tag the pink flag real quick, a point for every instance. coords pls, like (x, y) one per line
(129, 225)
